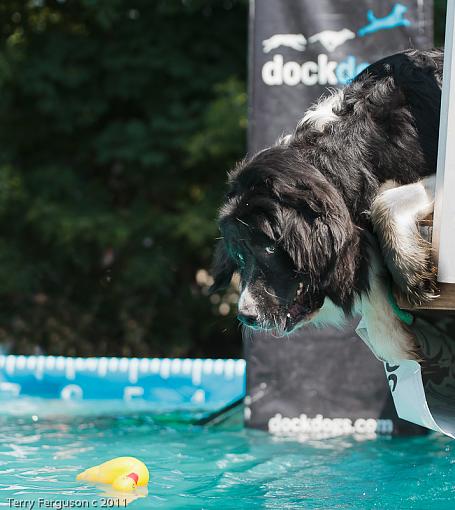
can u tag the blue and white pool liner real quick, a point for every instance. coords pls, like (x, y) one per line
(153, 382)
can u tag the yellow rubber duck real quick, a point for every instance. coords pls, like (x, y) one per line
(123, 473)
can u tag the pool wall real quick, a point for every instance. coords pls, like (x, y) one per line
(160, 383)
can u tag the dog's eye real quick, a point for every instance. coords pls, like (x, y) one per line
(241, 259)
(270, 250)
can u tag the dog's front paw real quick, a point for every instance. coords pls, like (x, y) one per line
(413, 270)
(407, 255)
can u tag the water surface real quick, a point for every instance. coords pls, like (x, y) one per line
(225, 467)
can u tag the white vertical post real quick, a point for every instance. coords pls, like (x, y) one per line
(444, 210)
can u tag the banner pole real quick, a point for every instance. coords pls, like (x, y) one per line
(251, 67)
(444, 208)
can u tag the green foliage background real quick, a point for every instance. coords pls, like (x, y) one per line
(118, 120)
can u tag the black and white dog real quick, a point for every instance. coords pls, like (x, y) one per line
(299, 216)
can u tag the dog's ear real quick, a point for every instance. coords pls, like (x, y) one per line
(323, 241)
(316, 231)
(345, 254)
(223, 268)
(341, 280)
(319, 220)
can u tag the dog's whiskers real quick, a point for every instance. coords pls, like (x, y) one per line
(277, 329)
(247, 334)
(241, 221)
(273, 295)
(278, 332)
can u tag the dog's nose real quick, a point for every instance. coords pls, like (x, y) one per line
(248, 320)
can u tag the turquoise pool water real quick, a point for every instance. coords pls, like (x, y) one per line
(224, 467)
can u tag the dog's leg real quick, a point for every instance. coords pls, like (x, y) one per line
(388, 337)
(394, 214)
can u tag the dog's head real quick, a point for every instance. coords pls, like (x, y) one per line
(289, 234)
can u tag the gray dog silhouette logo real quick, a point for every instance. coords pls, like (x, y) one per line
(294, 41)
(331, 39)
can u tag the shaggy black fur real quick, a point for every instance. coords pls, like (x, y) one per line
(298, 212)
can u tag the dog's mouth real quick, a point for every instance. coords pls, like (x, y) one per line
(299, 312)
(289, 317)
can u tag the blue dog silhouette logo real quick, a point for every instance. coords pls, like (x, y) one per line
(394, 19)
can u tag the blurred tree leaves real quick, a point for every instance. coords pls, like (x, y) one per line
(118, 120)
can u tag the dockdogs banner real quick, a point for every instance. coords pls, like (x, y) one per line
(300, 48)
(320, 382)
